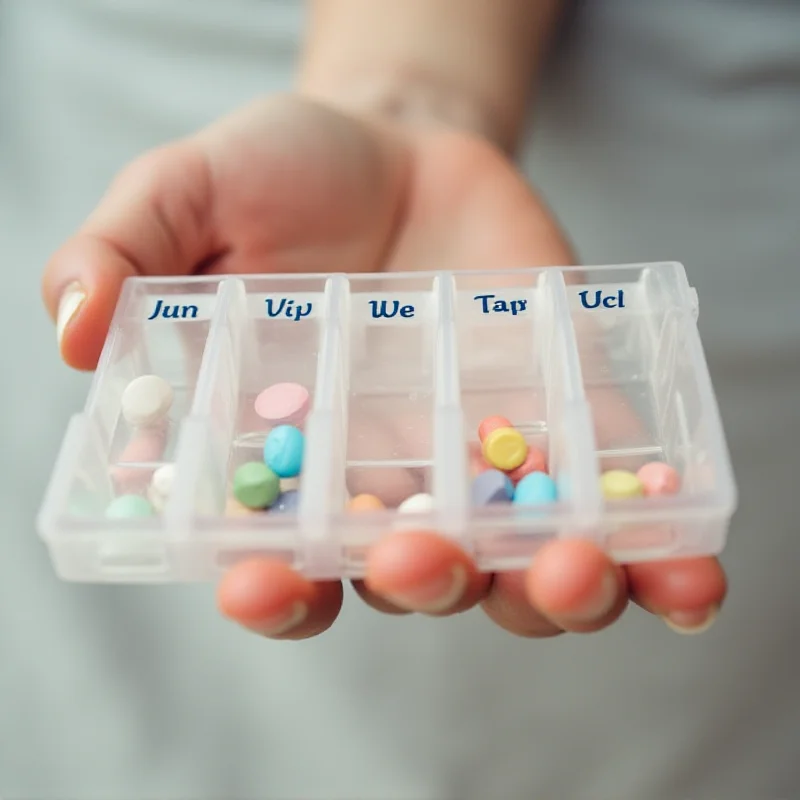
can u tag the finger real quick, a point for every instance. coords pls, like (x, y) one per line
(154, 220)
(507, 605)
(377, 602)
(421, 571)
(576, 586)
(686, 593)
(269, 598)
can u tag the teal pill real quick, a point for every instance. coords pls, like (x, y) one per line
(283, 451)
(129, 506)
(535, 489)
(255, 485)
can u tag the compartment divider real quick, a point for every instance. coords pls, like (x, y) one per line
(202, 449)
(578, 477)
(450, 471)
(323, 478)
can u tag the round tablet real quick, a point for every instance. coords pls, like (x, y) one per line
(492, 487)
(619, 484)
(535, 461)
(129, 506)
(416, 504)
(492, 424)
(283, 404)
(161, 485)
(255, 485)
(365, 502)
(658, 478)
(535, 489)
(283, 451)
(287, 502)
(146, 400)
(505, 448)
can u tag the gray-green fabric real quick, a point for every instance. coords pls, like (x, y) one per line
(668, 130)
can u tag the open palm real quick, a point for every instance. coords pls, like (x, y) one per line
(287, 185)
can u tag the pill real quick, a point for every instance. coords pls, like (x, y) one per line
(658, 478)
(255, 485)
(619, 484)
(535, 461)
(492, 487)
(283, 451)
(505, 448)
(416, 504)
(365, 502)
(283, 403)
(131, 474)
(128, 506)
(492, 424)
(287, 502)
(161, 486)
(535, 488)
(146, 400)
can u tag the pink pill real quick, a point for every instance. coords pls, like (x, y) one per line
(659, 478)
(283, 404)
(492, 424)
(133, 469)
(535, 461)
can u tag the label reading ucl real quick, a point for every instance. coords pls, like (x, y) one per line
(602, 299)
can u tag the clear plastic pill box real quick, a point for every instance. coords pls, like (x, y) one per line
(600, 367)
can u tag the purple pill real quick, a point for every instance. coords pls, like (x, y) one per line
(287, 502)
(492, 486)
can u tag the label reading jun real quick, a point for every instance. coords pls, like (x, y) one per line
(167, 311)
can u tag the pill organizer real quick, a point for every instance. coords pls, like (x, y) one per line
(601, 368)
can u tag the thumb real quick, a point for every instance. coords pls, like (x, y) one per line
(152, 221)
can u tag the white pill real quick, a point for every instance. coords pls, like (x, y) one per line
(161, 486)
(146, 400)
(416, 504)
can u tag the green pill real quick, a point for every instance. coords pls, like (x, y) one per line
(129, 506)
(255, 485)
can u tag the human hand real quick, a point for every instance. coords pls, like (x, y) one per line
(287, 185)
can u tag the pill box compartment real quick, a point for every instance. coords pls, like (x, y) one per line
(160, 328)
(401, 369)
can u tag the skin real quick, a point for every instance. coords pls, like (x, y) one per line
(290, 184)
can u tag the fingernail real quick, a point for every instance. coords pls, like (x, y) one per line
(601, 602)
(438, 595)
(71, 300)
(691, 622)
(285, 622)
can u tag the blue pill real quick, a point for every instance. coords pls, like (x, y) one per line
(490, 487)
(287, 502)
(536, 488)
(283, 451)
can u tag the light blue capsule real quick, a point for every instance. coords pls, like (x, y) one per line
(283, 451)
(535, 489)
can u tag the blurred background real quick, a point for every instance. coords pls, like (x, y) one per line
(666, 131)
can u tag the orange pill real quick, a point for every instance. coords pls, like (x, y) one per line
(492, 424)
(365, 502)
(658, 478)
(535, 461)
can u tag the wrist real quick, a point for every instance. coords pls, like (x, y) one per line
(417, 102)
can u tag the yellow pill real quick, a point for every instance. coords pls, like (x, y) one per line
(619, 484)
(505, 448)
